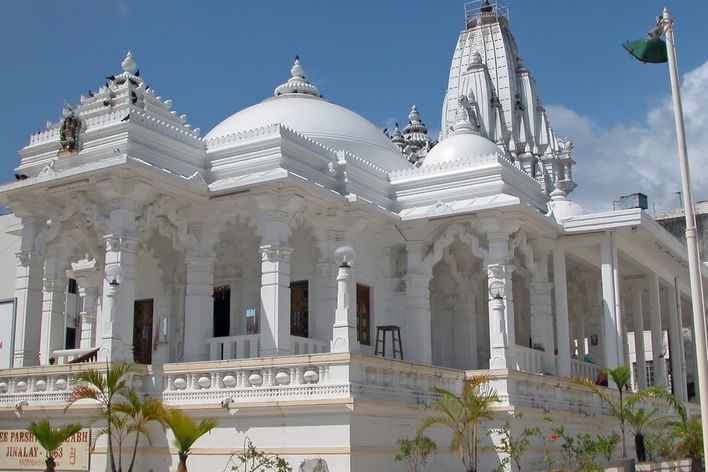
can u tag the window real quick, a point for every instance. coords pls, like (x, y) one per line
(299, 308)
(72, 286)
(222, 311)
(251, 321)
(70, 340)
(363, 314)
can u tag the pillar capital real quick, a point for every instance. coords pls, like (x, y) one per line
(274, 253)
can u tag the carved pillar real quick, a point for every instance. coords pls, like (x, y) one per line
(611, 336)
(657, 345)
(638, 326)
(541, 310)
(275, 300)
(325, 299)
(28, 292)
(501, 318)
(418, 341)
(198, 307)
(499, 270)
(115, 322)
(53, 308)
(89, 279)
(561, 301)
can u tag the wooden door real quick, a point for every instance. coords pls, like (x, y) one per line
(222, 311)
(142, 331)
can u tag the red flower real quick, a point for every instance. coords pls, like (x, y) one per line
(554, 436)
(679, 446)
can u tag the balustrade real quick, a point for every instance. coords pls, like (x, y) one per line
(530, 360)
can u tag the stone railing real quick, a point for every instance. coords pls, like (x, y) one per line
(245, 346)
(308, 345)
(530, 360)
(45, 384)
(72, 356)
(305, 377)
(584, 369)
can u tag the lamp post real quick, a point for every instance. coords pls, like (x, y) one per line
(344, 334)
(665, 24)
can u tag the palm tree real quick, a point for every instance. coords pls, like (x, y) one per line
(462, 415)
(107, 388)
(51, 439)
(139, 413)
(186, 431)
(622, 407)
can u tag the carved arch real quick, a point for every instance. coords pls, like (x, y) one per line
(78, 203)
(163, 215)
(447, 237)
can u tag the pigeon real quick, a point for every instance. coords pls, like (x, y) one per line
(134, 82)
(127, 117)
(106, 103)
(297, 57)
(137, 73)
(90, 94)
(147, 88)
(20, 177)
(111, 77)
(133, 97)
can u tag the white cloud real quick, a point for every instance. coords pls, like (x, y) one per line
(641, 157)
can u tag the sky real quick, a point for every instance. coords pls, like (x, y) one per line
(378, 58)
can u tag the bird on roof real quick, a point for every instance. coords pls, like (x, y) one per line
(126, 118)
(137, 73)
(111, 77)
(106, 103)
(486, 7)
(133, 97)
(90, 93)
(134, 82)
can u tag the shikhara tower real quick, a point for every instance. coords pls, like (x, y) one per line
(211, 259)
(487, 68)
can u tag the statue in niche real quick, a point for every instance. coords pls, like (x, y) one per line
(69, 133)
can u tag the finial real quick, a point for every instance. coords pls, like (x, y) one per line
(414, 115)
(486, 7)
(297, 70)
(129, 64)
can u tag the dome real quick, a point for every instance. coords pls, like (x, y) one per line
(463, 143)
(298, 105)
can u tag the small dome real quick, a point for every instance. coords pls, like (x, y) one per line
(298, 105)
(464, 142)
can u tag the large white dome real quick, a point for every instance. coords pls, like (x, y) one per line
(299, 106)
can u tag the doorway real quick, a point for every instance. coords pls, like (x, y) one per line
(222, 311)
(142, 331)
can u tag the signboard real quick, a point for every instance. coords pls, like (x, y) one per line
(20, 451)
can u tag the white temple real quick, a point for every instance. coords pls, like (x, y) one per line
(211, 260)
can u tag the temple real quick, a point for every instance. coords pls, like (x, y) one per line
(211, 260)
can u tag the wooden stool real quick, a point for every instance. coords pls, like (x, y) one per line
(395, 338)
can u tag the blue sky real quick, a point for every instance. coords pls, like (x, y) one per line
(376, 57)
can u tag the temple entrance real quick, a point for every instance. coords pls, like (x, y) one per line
(222, 311)
(299, 309)
(142, 331)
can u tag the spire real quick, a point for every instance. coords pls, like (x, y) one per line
(397, 138)
(297, 84)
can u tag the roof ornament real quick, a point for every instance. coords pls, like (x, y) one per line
(129, 66)
(466, 117)
(297, 84)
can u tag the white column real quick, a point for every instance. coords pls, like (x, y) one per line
(611, 335)
(501, 350)
(115, 322)
(418, 328)
(541, 312)
(561, 299)
(682, 346)
(198, 307)
(675, 341)
(325, 300)
(28, 293)
(344, 334)
(619, 316)
(638, 325)
(53, 308)
(657, 347)
(275, 300)
(89, 280)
